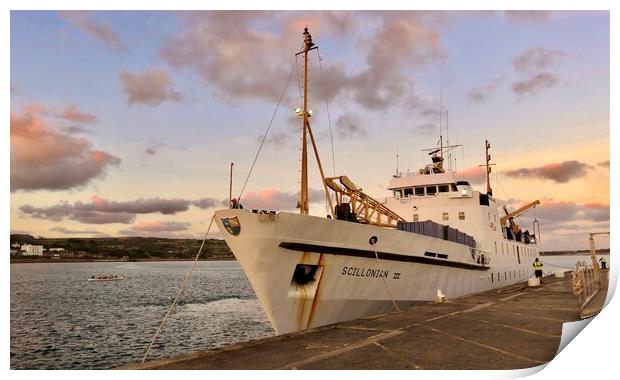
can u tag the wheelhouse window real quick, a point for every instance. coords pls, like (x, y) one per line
(461, 215)
(431, 190)
(419, 191)
(444, 188)
(408, 192)
(398, 193)
(454, 188)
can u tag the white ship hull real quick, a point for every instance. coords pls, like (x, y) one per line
(350, 281)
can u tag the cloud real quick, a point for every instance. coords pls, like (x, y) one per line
(66, 231)
(102, 211)
(537, 58)
(527, 16)
(560, 213)
(158, 228)
(42, 158)
(86, 21)
(251, 61)
(559, 172)
(535, 83)
(604, 164)
(71, 113)
(272, 199)
(425, 129)
(349, 125)
(151, 87)
(482, 93)
(150, 151)
(205, 203)
(76, 129)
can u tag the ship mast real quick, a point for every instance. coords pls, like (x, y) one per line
(303, 198)
(487, 158)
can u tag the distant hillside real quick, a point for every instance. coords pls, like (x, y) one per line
(131, 248)
(603, 251)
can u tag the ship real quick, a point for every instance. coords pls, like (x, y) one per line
(433, 238)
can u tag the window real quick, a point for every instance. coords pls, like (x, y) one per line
(444, 188)
(496, 248)
(431, 190)
(502, 244)
(461, 215)
(419, 191)
(416, 217)
(453, 186)
(398, 193)
(408, 192)
(444, 216)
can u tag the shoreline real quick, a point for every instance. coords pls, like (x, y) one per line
(78, 260)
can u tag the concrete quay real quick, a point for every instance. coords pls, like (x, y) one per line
(509, 328)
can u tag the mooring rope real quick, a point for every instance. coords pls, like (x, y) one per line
(385, 282)
(181, 289)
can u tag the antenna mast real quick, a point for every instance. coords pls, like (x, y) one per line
(440, 129)
(303, 198)
(487, 158)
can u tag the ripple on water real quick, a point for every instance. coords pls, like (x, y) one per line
(61, 321)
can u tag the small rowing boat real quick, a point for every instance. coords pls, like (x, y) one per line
(106, 277)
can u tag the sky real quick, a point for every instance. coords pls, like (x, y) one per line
(124, 123)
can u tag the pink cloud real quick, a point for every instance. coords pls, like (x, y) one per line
(72, 113)
(42, 158)
(272, 199)
(474, 175)
(159, 226)
(249, 61)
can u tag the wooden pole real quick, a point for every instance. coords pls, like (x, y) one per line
(230, 187)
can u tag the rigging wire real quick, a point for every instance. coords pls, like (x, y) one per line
(179, 292)
(267, 131)
(329, 119)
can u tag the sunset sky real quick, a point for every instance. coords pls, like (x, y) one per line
(125, 123)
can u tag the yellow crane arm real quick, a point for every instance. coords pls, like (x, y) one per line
(511, 215)
(366, 209)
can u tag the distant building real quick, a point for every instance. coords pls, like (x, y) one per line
(56, 249)
(14, 251)
(32, 250)
(15, 245)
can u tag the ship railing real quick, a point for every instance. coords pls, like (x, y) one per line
(480, 257)
(587, 283)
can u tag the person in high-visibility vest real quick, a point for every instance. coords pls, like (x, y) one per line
(603, 262)
(538, 269)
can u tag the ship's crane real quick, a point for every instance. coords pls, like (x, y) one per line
(361, 207)
(510, 216)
